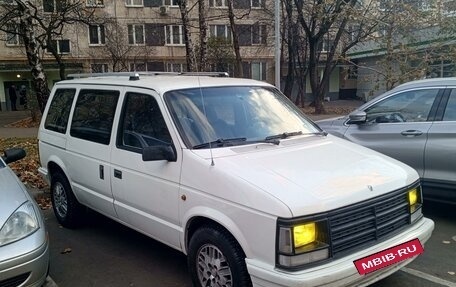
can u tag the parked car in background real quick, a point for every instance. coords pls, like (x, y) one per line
(414, 123)
(24, 252)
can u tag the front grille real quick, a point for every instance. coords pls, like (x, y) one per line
(14, 281)
(365, 223)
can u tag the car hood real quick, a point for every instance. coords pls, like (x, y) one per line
(12, 194)
(314, 174)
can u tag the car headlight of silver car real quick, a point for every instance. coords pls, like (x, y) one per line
(20, 224)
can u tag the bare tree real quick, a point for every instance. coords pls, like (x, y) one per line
(38, 24)
(325, 24)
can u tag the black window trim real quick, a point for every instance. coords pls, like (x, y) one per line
(441, 107)
(70, 116)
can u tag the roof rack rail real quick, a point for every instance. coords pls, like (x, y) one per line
(135, 75)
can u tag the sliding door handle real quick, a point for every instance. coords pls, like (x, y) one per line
(117, 173)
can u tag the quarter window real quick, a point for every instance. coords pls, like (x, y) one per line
(409, 106)
(142, 123)
(59, 110)
(93, 115)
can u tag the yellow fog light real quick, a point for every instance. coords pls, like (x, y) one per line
(304, 234)
(413, 196)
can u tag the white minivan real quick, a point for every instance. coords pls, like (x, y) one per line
(232, 174)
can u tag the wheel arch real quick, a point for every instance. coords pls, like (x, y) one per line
(204, 216)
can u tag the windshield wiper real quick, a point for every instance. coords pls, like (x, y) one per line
(283, 136)
(219, 143)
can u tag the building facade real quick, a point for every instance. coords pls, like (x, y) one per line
(145, 35)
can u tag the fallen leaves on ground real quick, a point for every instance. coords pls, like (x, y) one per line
(25, 123)
(329, 110)
(26, 168)
(44, 201)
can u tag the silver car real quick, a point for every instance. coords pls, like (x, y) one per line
(24, 250)
(414, 123)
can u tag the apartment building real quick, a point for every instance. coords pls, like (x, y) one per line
(144, 35)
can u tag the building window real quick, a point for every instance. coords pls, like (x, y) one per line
(96, 35)
(12, 36)
(52, 6)
(138, 67)
(171, 2)
(176, 67)
(218, 3)
(174, 35)
(94, 3)
(256, 3)
(99, 68)
(258, 71)
(138, 3)
(60, 46)
(220, 31)
(136, 34)
(258, 34)
(325, 46)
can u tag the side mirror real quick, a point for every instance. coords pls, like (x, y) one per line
(161, 152)
(357, 117)
(13, 154)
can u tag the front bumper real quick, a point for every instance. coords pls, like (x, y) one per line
(341, 272)
(30, 268)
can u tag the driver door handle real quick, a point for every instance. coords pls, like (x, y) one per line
(411, 133)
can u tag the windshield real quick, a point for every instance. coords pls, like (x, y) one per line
(234, 115)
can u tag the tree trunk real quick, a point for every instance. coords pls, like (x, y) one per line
(238, 71)
(290, 79)
(190, 55)
(39, 82)
(203, 35)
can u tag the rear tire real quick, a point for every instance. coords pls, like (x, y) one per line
(68, 211)
(216, 259)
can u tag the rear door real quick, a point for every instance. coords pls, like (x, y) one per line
(146, 192)
(398, 125)
(89, 149)
(440, 153)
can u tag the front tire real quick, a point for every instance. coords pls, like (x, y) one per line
(67, 209)
(216, 259)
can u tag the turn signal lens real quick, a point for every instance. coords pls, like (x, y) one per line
(413, 196)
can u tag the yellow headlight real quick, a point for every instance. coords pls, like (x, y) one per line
(304, 234)
(413, 196)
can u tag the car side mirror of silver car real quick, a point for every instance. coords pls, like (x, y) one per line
(161, 152)
(357, 117)
(13, 154)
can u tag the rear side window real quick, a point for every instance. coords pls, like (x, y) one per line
(93, 115)
(59, 110)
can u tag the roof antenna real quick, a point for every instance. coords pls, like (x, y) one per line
(205, 114)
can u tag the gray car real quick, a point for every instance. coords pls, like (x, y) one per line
(24, 250)
(414, 123)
